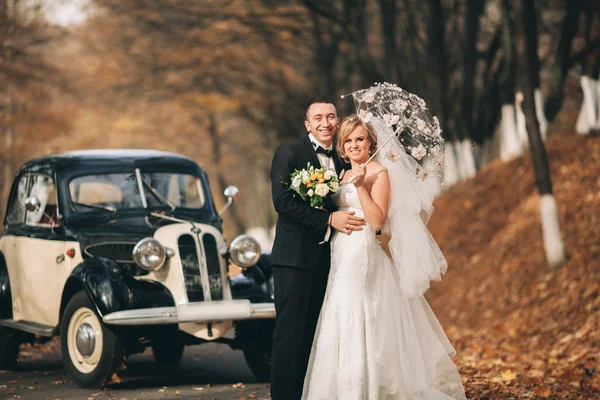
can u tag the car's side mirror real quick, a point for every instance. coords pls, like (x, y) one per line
(32, 204)
(230, 192)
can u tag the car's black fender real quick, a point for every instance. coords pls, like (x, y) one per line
(5, 294)
(254, 282)
(110, 289)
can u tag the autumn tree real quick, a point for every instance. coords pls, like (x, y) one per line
(234, 70)
(526, 61)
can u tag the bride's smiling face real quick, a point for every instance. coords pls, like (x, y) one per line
(356, 145)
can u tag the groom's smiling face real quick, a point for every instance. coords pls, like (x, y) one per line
(322, 121)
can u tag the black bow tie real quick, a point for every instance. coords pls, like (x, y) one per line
(328, 153)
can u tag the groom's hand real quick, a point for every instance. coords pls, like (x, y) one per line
(346, 222)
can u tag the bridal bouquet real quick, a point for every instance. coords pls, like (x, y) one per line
(314, 184)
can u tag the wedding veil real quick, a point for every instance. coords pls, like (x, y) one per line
(415, 254)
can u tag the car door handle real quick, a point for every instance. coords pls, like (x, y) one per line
(60, 258)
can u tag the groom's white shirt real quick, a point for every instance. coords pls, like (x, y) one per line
(326, 162)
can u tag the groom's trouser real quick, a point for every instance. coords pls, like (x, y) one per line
(298, 298)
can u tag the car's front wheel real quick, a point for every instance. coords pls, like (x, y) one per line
(259, 362)
(91, 352)
(9, 349)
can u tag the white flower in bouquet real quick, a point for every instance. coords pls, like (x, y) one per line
(313, 184)
(305, 176)
(390, 119)
(418, 152)
(365, 116)
(322, 190)
(296, 182)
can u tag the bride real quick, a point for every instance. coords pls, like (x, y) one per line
(377, 337)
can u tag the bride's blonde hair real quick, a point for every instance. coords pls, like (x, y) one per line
(348, 126)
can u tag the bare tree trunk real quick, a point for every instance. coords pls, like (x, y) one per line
(388, 30)
(470, 58)
(216, 150)
(553, 243)
(509, 140)
(532, 39)
(451, 173)
(558, 71)
(9, 143)
(587, 113)
(353, 23)
(328, 44)
(523, 141)
(7, 101)
(587, 118)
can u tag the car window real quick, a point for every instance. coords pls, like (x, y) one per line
(97, 193)
(16, 213)
(43, 188)
(121, 191)
(181, 190)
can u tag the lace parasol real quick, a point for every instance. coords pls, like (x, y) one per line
(414, 129)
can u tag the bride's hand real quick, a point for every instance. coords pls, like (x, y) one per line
(359, 173)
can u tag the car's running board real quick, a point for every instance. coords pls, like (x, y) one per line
(193, 312)
(30, 327)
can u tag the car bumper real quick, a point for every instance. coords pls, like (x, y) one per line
(193, 312)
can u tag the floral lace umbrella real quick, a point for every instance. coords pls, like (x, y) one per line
(410, 122)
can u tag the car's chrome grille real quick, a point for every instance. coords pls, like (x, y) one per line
(215, 278)
(119, 251)
(190, 268)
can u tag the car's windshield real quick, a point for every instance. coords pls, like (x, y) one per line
(91, 193)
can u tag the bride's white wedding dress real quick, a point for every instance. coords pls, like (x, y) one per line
(377, 337)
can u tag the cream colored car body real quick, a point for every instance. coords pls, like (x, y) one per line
(38, 270)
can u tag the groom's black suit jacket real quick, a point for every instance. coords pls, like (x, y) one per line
(300, 227)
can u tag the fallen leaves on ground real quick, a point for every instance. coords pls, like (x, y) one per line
(521, 330)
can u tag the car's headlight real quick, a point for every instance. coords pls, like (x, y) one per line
(244, 251)
(149, 254)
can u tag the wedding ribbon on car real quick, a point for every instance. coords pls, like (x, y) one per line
(418, 133)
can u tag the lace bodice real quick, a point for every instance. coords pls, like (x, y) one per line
(347, 197)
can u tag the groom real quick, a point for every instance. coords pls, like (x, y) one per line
(300, 261)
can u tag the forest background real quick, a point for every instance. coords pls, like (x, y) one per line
(515, 85)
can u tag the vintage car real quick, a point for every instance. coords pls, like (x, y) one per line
(118, 250)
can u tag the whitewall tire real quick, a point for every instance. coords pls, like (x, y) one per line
(91, 352)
